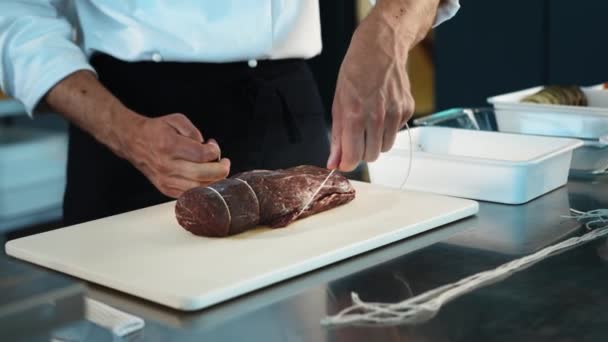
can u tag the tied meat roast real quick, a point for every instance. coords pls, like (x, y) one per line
(260, 197)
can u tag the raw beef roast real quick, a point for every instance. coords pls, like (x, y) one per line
(260, 197)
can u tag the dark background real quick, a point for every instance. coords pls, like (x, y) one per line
(338, 21)
(495, 47)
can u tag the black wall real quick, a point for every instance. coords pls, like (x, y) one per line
(494, 47)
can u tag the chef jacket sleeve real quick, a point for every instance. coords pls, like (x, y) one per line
(37, 49)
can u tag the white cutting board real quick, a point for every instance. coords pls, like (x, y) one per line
(147, 254)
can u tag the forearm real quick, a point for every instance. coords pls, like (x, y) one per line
(84, 101)
(410, 20)
(168, 149)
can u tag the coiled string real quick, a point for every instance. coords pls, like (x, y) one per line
(425, 306)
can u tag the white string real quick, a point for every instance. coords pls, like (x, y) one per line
(257, 200)
(315, 193)
(225, 204)
(425, 306)
(594, 216)
(409, 166)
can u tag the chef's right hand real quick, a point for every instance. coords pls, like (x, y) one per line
(171, 152)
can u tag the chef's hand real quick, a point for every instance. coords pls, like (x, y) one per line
(171, 152)
(373, 98)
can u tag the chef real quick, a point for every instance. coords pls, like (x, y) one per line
(163, 96)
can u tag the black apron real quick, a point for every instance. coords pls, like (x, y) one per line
(270, 117)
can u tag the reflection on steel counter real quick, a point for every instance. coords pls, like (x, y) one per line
(516, 232)
(531, 305)
(33, 302)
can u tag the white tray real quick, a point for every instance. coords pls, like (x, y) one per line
(589, 122)
(589, 159)
(489, 166)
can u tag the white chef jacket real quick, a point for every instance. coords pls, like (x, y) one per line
(43, 41)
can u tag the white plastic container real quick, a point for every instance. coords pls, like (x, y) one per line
(32, 170)
(589, 122)
(488, 166)
(589, 159)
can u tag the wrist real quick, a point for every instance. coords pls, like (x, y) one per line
(410, 20)
(84, 101)
(122, 130)
(377, 33)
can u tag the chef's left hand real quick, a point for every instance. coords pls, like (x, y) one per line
(373, 100)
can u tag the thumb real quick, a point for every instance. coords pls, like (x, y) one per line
(184, 126)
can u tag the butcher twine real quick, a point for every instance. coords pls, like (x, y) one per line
(315, 194)
(409, 164)
(250, 189)
(425, 306)
(225, 204)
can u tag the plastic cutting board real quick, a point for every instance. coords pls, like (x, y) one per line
(146, 253)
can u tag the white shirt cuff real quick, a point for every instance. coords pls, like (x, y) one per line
(446, 11)
(54, 72)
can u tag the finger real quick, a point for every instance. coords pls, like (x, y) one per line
(214, 142)
(172, 193)
(201, 172)
(408, 112)
(333, 162)
(336, 147)
(353, 143)
(190, 150)
(174, 186)
(184, 126)
(392, 124)
(373, 137)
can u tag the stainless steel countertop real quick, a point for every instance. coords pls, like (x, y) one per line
(559, 299)
(33, 301)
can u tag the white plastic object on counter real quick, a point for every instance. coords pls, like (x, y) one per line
(589, 159)
(588, 122)
(488, 166)
(118, 322)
